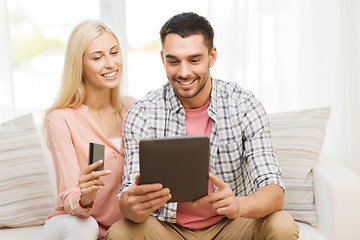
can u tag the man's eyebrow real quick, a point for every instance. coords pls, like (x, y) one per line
(191, 56)
(196, 55)
(170, 56)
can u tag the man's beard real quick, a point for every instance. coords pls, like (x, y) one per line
(180, 79)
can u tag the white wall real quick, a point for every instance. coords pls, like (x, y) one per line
(6, 89)
(352, 106)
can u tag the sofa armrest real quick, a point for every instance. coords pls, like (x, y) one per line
(337, 195)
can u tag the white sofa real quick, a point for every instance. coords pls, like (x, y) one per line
(337, 194)
(337, 198)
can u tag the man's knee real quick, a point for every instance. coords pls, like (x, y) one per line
(280, 225)
(126, 229)
(121, 230)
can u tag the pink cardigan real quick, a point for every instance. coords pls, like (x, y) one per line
(69, 132)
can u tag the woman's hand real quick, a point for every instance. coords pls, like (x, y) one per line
(89, 183)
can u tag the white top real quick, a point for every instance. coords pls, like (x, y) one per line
(116, 142)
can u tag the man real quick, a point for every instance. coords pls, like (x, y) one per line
(246, 191)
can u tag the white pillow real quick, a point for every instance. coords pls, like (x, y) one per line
(25, 194)
(297, 138)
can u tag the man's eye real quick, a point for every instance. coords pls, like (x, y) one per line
(194, 60)
(173, 61)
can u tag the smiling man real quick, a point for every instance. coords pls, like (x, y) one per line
(187, 63)
(246, 190)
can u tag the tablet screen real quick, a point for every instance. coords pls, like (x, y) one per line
(178, 163)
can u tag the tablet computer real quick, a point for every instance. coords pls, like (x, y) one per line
(178, 163)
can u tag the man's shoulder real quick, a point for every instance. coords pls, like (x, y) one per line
(153, 99)
(231, 90)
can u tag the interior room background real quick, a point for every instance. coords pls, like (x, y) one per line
(292, 54)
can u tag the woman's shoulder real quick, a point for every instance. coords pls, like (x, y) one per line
(66, 112)
(128, 101)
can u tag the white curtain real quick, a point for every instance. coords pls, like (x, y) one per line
(293, 55)
(7, 108)
(114, 13)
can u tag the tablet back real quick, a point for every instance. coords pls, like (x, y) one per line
(179, 163)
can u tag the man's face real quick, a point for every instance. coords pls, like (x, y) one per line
(187, 63)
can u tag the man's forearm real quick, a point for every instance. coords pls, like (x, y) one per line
(261, 203)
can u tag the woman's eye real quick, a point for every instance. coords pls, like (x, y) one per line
(114, 53)
(97, 58)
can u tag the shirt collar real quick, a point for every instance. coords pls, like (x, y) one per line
(212, 110)
(175, 103)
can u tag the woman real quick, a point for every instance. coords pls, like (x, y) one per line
(89, 108)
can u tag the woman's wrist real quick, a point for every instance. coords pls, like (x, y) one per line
(85, 202)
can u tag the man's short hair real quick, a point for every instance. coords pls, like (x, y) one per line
(187, 24)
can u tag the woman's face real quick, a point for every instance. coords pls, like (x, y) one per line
(102, 63)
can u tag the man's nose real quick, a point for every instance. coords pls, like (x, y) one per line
(184, 71)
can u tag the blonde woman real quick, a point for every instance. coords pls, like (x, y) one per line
(88, 108)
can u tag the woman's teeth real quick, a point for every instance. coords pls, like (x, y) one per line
(110, 74)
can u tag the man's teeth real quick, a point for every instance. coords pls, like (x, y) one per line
(186, 83)
(110, 74)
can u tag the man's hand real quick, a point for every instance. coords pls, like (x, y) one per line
(223, 202)
(141, 200)
(264, 201)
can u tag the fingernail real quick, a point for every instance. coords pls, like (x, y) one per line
(195, 204)
(108, 171)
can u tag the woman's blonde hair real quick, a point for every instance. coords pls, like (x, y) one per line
(72, 90)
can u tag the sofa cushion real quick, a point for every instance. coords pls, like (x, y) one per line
(25, 194)
(307, 232)
(28, 233)
(297, 138)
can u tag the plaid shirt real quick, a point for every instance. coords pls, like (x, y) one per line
(241, 152)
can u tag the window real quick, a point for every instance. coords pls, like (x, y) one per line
(144, 19)
(39, 30)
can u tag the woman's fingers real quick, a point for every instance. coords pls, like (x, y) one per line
(95, 182)
(93, 175)
(89, 182)
(92, 167)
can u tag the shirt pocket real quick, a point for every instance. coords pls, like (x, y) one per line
(229, 159)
